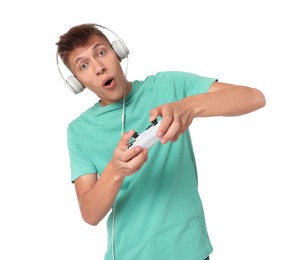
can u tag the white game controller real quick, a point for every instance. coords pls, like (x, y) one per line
(146, 139)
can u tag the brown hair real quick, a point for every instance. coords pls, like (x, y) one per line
(76, 37)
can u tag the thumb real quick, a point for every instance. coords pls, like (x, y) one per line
(155, 112)
(125, 138)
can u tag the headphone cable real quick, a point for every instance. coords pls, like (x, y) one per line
(122, 132)
(124, 99)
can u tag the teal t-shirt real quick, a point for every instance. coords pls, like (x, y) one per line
(159, 213)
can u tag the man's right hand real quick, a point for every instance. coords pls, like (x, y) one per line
(127, 162)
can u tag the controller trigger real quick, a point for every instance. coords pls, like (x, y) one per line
(135, 135)
(154, 122)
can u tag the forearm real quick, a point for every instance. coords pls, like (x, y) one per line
(97, 201)
(96, 196)
(232, 101)
(222, 100)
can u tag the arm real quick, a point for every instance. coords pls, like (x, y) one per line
(222, 99)
(97, 195)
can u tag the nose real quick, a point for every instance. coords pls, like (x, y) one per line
(99, 67)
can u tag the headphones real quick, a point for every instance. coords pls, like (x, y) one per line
(118, 46)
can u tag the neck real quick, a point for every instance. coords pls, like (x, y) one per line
(126, 91)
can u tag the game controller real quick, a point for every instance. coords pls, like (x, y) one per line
(147, 138)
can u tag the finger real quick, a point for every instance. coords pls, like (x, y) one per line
(155, 112)
(123, 143)
(137, 161)
(130, 166)
(164, 126)
(131, 153)
(172, 133)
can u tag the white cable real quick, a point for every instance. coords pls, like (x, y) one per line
(112, 241)
(124, 99)
(122, 132)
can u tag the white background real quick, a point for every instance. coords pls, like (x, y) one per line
(252, 169)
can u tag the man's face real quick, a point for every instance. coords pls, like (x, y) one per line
(98, 68)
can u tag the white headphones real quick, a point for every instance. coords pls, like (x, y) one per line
(118, 46)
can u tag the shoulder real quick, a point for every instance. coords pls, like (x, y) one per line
(178, 75)
(164, 80)
(83, 118)
(169, 76)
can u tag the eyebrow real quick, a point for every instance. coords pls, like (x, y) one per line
(98, 45)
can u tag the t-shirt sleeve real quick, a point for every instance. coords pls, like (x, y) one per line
(189, 84)
(80, 163)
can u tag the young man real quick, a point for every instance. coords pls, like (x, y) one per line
(156, 213)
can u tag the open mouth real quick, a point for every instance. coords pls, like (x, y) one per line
(108, 82)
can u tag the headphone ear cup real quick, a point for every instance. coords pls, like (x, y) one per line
(120, 48)
(74, 85)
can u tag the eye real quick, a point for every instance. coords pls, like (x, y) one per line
(101, 53)
(83, 66)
